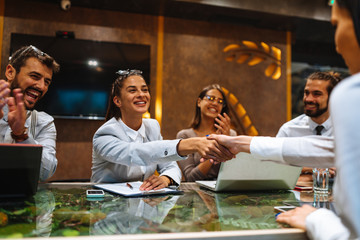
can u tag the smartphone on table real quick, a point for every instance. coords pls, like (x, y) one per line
(283, 208)
(94, 193)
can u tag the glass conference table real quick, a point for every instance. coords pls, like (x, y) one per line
(62, 210)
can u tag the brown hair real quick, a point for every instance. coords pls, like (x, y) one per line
(332, 77)
(18, 59)
(113, 110)
(197, 118)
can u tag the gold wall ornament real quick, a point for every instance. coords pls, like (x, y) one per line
(146, 115)
(239, 116)
(253, 54)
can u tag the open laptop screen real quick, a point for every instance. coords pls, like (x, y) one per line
(19, 169)
(246, 173)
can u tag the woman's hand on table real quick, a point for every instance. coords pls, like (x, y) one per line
(296, 218)
(155, 183)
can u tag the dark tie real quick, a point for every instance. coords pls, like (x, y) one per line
(318, 129)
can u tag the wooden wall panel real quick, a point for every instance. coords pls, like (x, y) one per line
(193, 58)
(74, 148)
(74, 140)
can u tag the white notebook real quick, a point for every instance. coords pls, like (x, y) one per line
(132, 189)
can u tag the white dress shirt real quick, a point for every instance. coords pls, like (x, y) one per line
(308, 151)
(303, 125)
(345, 115)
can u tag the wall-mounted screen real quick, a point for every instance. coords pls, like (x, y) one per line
(87, 70)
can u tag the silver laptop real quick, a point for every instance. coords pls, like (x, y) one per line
(19, 169)
(245, 173)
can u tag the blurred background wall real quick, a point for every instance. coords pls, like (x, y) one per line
(186, 55)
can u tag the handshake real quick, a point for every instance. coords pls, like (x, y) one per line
(216, 148)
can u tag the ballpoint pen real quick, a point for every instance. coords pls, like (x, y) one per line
(131, 187)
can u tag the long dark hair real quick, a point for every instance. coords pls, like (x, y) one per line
(353, 7)
(113, 110)
(197, 118)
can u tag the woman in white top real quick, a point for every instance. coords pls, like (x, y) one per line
(130, 148)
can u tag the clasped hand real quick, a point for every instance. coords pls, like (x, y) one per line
(227, 147)
(211, 150)
(17, 111)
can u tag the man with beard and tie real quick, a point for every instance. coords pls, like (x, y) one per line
(29, 75)
(316, 117)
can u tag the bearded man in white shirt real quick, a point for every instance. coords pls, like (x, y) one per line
(318, 151)
(28, 77)
(318, 88)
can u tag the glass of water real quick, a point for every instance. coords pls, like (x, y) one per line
(321, 180)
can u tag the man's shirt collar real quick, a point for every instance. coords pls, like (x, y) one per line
(327, 124)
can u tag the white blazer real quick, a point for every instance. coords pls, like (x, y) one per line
(116, 158)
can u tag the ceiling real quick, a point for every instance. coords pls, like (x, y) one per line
(308, 20)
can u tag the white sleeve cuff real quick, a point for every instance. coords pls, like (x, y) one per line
(324, 224)
(267, 148)
(170, 149)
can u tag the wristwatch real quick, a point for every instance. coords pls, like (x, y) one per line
(172, 182)
(21, 137)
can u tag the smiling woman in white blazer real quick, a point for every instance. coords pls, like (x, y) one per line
(130, 148)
